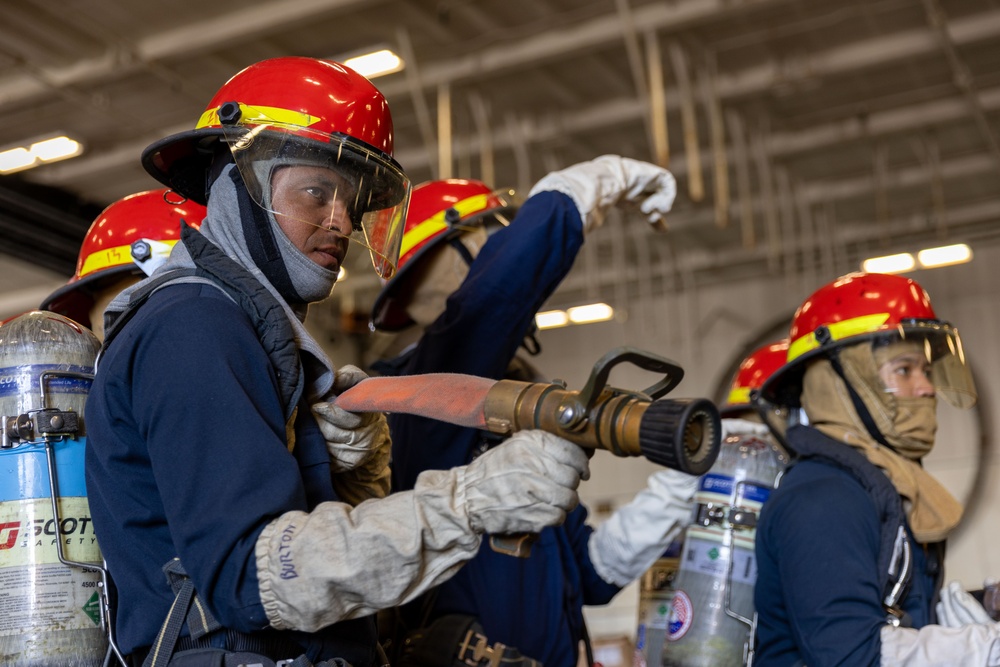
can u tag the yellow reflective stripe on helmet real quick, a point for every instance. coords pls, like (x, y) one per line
(110, 257)
(260, 115)
(437, 223)
(838, 331)
(739, 396)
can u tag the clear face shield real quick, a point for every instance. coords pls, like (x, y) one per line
(330, 182)
(922, 358)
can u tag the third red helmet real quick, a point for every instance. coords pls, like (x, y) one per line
(862, 307)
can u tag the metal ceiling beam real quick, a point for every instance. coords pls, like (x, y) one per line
(963, 78)
(759, 79)
(581, 38)
(780, 144)
(669, 18)
(266, 17)
(720, 264)
(622, 111)
(200, 36)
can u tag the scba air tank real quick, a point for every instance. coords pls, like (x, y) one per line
(656, 591)
(50, 612)
(712, 614)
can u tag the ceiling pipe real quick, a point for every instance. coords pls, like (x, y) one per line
(755, 80)
(445, 159)
(203, 35)
(717, 134)
(657, 102)
(420, 108)
(689, 122)
(961, 75)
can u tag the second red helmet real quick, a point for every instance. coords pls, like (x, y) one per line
(128, 233)
(438, 212)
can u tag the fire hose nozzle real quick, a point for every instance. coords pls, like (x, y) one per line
(683, 434)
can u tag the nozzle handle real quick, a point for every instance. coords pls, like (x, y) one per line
(673, 373)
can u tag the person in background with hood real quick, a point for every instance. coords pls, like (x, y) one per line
(474, 271)
(243, 517)
(129, 240)
(850, 546)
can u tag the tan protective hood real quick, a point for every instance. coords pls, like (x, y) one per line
(907, 424)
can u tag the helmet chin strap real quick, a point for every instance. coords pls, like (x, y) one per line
(824, 338)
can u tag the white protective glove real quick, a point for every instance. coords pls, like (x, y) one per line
(603, 182)
(637, 534)
(524, 484)
(957, 608)
(353, 439)
(975, 645)
(339, 562)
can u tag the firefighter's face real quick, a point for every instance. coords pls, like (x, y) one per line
(309, 205)
(907, 373)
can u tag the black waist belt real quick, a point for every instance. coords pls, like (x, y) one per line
(269, 646)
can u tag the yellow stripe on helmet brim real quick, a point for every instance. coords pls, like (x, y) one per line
(436, 223)
(261, 116)
(739, 396)
(111, 257)
(838, 331)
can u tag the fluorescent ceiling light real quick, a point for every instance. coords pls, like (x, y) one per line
(898, 263)
(16, 159)
(376, 63)
(595, 312)
(57, 148)
(551, 319)
(46, 150)
(931, 258)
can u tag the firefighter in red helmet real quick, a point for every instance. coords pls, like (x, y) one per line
(214, 454)
(129, 240)
(474, 269)
(867, 360)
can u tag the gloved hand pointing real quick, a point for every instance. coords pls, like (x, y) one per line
(599, 184)
(523, 485)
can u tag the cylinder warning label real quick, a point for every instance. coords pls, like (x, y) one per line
(37, 591)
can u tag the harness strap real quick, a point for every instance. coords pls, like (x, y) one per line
(265, 313)
(189, 608)
(166, 640)
(199, 619)
(114, 322)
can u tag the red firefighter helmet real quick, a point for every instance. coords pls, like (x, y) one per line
(438, 212)
(295, 110)
(753, 371)
(862, 307)
(125, 236)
